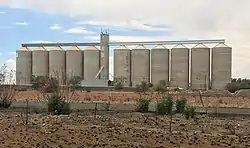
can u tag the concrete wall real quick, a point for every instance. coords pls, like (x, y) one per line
(40, 62)
(159, 65)
(91, 63)
(74, 62)
(140, 65)
(57, 63)
(221, 66)
(122, 65)
(180, 66)
(200, 67)
(23, 66)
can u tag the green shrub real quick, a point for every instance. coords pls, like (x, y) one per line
(165, 106)
(180, 105)
(5, 103)
(57, 105)
(189, 112)
(142, 105)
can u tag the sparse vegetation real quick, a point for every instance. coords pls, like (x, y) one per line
(142, 105)
(106, 106)
(189, 112)
(237, 84)
(180, 105)
(7, 87)
(75, 82)
(119, 83)
(161, 88)
(57, 105)
(58, 97)
(165, 106)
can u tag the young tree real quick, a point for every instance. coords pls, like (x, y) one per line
(119, 83)
(61, 96)
(7, 86)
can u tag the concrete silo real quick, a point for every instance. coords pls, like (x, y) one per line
(91, 63)
(180, 66)
(221, 66)
(104, 41)
(159, 64)
(40, 62)
(23, 66)
(200, 67)
(74, 62)
(140, 70)
(122, 64)
(57, 63)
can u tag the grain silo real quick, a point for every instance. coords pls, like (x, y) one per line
(200, 67)
(40, 62)
(57, 62)
(91, 62)
(221, 66)
(122, 64)
(74, 62)
(159, 64)
(140, 64)
(180, 66)
(23, 66)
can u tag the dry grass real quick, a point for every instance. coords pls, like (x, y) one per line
(130, 97)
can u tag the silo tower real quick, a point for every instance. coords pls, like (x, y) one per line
(104, 70)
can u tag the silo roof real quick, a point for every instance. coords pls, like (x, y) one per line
(121, 47)
(56, 48)
(180, 46)
(74, 48)
(160, 46)
(200, 46)
(40, 49)
(23, 49)
(221, 45)
(140, 47)
(91, 48)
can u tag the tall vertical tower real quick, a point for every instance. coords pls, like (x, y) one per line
(104, 55)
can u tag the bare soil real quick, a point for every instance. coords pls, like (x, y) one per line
(131, 97)
(121, 130)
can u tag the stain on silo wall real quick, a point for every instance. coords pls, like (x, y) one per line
(122, 65)
(200, 67)
(23, 66)
(180, 67)
(91, 63)
(40, 62)
(159, 65)
(140, 65)
(57, 64)
(74, 63)
(221, 66)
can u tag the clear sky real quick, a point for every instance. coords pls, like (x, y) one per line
(25, 21)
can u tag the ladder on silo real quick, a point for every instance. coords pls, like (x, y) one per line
(100, 70)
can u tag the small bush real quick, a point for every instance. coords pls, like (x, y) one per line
(142, 105)
(180, 105)
(106, 106)
(57, 105)
(189, 112)
(165, 106)
(5, 103)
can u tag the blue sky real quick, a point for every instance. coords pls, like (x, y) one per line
(25, 26)
(25, 21)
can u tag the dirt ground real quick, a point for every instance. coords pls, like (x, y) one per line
(121, 130)
(130, 97)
